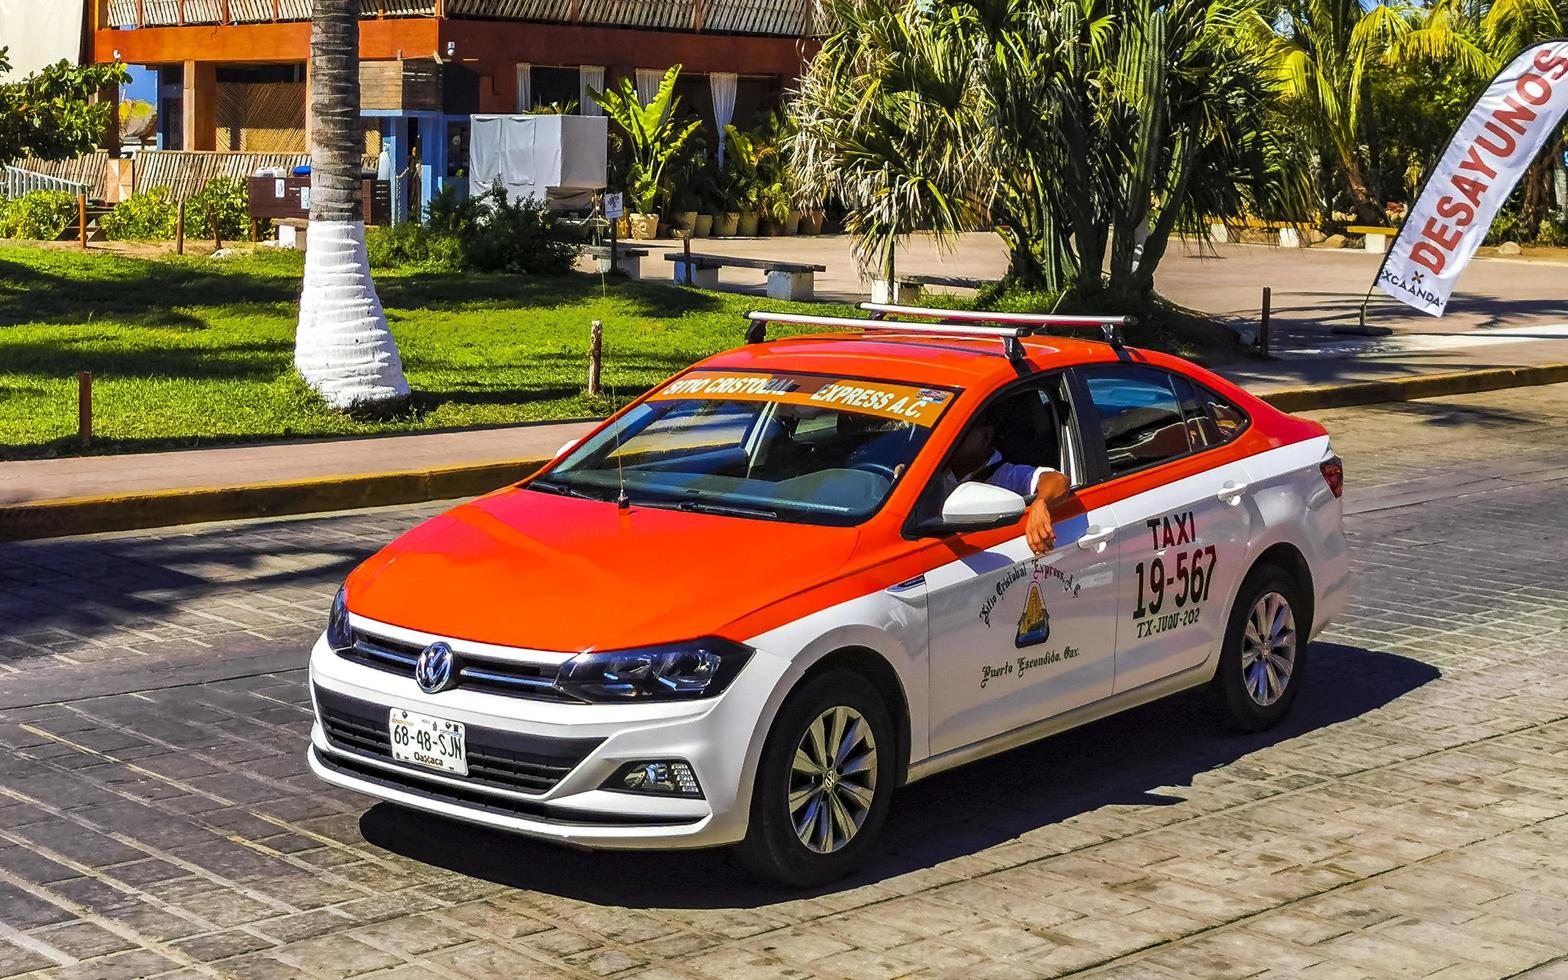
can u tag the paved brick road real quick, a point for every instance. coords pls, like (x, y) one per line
(155, 816)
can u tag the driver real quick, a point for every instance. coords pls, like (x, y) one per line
(976, 459)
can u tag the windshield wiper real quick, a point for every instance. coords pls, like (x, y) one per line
(728, 510)
(550, 486)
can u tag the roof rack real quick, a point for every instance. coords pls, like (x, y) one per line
(1108, 324)
(1006, 327)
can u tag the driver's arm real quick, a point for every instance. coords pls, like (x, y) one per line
(1051, 487)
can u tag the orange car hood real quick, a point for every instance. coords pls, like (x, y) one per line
(529, 569)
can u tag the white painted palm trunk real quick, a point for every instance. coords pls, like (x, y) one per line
(344, 348)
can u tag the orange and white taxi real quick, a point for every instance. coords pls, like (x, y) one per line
(804, 572)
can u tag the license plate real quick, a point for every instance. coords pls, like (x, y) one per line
(434, 743)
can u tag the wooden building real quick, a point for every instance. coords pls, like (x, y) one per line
(233, 74)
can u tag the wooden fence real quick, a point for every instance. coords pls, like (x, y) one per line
(184, 172)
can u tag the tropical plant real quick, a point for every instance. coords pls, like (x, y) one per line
(1475, 41)
(1320, 56)
(343, 347)
(221, 206)
(747, 159)
(1086, 133)
(53, 113)
(149, 215)
(491, 232)
(38, 215)
(649, 138)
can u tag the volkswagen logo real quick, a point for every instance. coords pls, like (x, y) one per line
(436, 668)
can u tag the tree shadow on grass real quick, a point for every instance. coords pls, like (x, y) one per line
(1133, 759)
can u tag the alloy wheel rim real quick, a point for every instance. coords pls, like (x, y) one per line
(833, 779)
(1268, 649)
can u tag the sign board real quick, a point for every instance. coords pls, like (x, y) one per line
(613, 208)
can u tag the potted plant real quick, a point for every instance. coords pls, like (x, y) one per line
(648, 139)
(743, 162)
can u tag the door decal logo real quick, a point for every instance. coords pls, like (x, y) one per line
(1034, 626)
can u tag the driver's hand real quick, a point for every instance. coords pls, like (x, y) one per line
(1041, 534)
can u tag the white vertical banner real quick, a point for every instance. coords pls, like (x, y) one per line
(1490, 151)
(40, 33)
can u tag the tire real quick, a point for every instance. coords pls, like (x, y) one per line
(1250, 692)
(774, 848)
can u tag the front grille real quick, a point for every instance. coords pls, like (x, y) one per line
(533, 681)
(503, 805)
(496, 759)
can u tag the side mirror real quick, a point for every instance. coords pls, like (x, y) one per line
(980, 506)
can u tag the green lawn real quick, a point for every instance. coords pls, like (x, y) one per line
(196, 350)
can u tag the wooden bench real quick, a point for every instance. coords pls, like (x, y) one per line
(906, 289)
(1375, 239)
(627, 259)
(786, 280)
(1289, 235)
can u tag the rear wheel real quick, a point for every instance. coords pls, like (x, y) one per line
(1261, 663)
(823, 784)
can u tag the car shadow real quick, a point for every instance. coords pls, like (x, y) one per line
(1138, 758)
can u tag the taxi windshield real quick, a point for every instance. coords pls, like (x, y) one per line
(805, 448)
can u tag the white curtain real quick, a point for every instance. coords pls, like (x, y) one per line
(722, 85)
(648, 80)
(525, 86)
(590, 78)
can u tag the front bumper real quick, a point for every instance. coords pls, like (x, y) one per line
(589, 741)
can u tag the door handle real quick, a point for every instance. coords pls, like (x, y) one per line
(1095, 538)
(1231, 491)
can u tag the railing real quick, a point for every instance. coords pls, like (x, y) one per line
(19, 181)
(787, 18)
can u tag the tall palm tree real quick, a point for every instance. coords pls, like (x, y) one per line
(1321, 53)
(343, 347)
(1480, 37)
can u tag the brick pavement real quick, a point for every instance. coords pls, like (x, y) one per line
(1410, 819)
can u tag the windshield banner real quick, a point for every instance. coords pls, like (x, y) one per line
(1493, 147)
(884, 399)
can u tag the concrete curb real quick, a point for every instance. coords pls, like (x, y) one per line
(163, 508)
(1417, 386)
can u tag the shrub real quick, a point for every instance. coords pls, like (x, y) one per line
(490, 233)
(227, 199)
(39, 215)
(1553, 234)
(148, 216)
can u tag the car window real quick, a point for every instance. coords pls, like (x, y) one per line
(792, 447)
(1211, 419)
(1140, 416)
(1028, 431)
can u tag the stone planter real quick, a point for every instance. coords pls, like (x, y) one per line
(747, 227)
(792, 223)
(725, 224)
(644, 227)
(811, 223)
(686, 220)
(703, 226)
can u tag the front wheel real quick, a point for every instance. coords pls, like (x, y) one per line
(1265, 650)
(823, 784)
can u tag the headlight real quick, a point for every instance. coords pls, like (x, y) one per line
(339, 636)
(695, 669)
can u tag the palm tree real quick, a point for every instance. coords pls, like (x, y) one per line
(1085, 132)
(343, 347)
(1479, 38)
(1321, 53)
